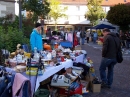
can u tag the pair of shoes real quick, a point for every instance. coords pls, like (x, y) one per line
(108, 86)
(105, 85)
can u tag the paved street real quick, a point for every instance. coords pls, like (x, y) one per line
(126, 56)
(121, 82)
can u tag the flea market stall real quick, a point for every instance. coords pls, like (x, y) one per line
(58, 72)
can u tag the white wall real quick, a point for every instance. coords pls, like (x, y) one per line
(2, 8)
(6, 8)
(16, 8)
(106, 8)
(75, 14)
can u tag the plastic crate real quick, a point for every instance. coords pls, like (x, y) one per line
(66, 44)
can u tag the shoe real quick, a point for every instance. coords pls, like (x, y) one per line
(108, 86)
(105, 85)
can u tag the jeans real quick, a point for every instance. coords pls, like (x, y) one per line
(25, 90)
(94, 39)
(82, 41)
(3, 85)
(109, 64)
(7, 91)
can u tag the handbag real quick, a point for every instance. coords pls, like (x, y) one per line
(119, 56)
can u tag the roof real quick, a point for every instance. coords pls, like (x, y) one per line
(113, 2)
(104, 3)
(8, 1)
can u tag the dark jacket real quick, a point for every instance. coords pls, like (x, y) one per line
(48, 34)
(82, 34)
(109, 46)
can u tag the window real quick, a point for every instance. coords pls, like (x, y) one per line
(78, 8)
(79, 18)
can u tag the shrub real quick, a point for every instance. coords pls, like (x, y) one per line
(11, 38)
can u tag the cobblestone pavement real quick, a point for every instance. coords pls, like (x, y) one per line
(121, 82)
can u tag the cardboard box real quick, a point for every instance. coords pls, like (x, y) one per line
(78, 48)
(87, 78)
(96, 88)
(90, 77)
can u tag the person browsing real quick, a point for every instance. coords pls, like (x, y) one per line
(36, 38)
(109, 51)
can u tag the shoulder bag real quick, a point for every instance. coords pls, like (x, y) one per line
(119, 56)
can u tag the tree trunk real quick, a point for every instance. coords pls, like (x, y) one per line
(55, 25)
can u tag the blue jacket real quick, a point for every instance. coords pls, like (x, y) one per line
(36, 40)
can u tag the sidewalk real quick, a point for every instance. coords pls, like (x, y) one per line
(121, 82)
(126, 53)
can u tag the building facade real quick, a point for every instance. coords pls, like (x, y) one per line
(7, 8)
(76, 14)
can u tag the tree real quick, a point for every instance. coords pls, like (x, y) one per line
(95, 11)
(9, 33)
(57, 11)
(36, 8)
(120, 15)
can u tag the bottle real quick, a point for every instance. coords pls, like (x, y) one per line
(35, 50)
(36, 55)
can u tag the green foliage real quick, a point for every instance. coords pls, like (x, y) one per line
(57, 11)
(119, 15)
(10, 35)
(95, 11)
(6, 21)
(36, 8)
(28, 25)
(11, 38)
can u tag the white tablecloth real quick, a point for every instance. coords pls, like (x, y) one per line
(49, 71)
(80, 58)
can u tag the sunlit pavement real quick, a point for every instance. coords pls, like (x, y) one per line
(126, 54)
(121, 82)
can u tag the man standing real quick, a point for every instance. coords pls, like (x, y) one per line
(36, 38)
(95, 37)
(82, 36)
(88, 35)
(109, 50)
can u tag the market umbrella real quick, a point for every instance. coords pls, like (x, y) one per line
(102, 26)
